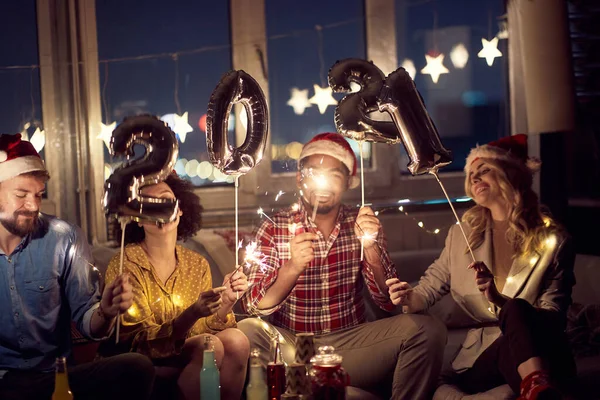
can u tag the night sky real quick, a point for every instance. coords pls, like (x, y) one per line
(468, 105)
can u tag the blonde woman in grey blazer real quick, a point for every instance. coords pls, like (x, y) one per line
(519, 288)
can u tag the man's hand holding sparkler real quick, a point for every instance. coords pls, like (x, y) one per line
(367, 227)
(302, 251)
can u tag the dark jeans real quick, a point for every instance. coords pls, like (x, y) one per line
(526, 332)
(123, 377)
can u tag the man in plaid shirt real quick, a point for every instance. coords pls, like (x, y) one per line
(312, 277)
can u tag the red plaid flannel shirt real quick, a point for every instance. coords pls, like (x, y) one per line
(327, 296)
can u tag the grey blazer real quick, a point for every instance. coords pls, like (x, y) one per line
(545, 281)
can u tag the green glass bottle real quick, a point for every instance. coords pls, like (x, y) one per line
(210, 380)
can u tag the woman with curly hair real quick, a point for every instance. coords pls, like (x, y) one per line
(519, 289)
(175, 305)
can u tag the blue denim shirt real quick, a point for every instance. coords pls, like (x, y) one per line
(48, 281)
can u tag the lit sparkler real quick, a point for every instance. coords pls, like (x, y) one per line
(255, 257)
(261, 212)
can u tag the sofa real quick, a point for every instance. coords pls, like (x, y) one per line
(216, 246)
(411, 266)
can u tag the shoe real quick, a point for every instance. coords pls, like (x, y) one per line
(538, 386)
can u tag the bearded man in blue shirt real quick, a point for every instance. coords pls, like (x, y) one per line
(47, 280)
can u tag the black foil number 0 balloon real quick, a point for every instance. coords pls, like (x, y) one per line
(398, 96)
(236, 87)
(122, 197)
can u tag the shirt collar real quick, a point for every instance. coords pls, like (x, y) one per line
(22, 244)
(136, 254)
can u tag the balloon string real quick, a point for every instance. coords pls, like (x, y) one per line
(434, 173)
(123, 224)
(237, 231)
(362, 193)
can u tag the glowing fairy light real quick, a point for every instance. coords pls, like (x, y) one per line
(133, 311)
(296, 206)
(533, 261)
(551, 241)
(436, 231)
(420, 224)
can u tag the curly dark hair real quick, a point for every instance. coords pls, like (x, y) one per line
(189, 204)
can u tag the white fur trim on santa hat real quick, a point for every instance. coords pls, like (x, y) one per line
(332, 149)
(496, 153)
(21, 165)
(3, 156)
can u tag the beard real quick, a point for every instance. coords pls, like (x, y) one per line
(322, 209)
(23, 228)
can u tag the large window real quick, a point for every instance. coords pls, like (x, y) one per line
(304, 39)
(468, 100)
(20, 103)
(164, 59)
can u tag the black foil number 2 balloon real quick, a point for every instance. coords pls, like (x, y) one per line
(122, 197)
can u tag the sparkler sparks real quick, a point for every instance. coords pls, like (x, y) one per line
(281, 193)
(255, 257)
(367, 237)
(261, 212)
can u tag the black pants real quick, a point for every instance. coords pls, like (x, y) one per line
(526, 332)
(123, 377)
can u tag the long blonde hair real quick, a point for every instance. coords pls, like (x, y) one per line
(528, 224)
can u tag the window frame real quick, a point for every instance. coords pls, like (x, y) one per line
(76, 195)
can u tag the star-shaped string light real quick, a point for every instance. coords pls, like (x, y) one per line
(106, 133)
(38, 139)
(178, 124)
(435, 67)
(323, 98)
(299, 100)
(489, 51)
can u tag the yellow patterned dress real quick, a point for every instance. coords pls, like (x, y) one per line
(147, 326)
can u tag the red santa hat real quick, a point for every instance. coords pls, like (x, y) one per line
(17, 157)
(336, 146)
(512, 149)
